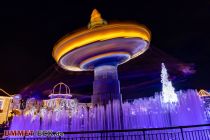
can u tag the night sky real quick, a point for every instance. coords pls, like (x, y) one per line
(28, 31)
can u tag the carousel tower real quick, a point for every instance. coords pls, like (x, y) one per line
(101, 48)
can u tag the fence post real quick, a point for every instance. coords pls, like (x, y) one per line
(182, 133)
(144, 135)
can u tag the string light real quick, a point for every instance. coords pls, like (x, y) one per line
(203, 93)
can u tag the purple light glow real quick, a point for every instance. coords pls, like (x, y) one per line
(141, 113)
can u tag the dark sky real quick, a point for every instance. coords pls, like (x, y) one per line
(29, 29)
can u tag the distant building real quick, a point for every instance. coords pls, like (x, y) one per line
(205, 96)
(5, 103)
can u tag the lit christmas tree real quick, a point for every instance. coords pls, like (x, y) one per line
(168, 91)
